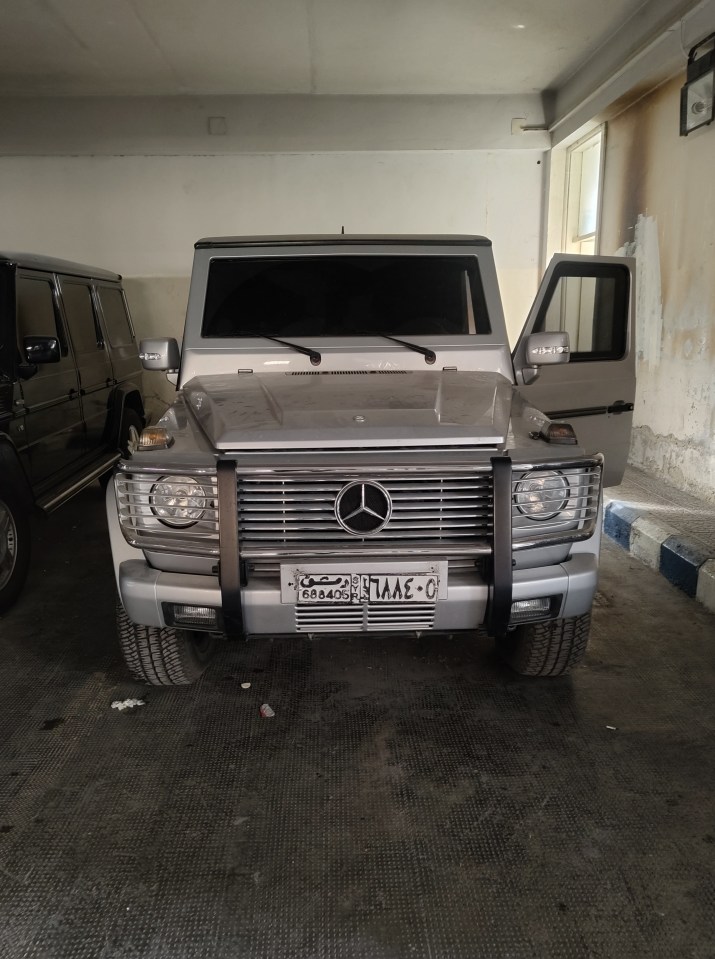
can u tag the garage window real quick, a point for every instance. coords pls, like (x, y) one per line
(583, 194)
(344, 296)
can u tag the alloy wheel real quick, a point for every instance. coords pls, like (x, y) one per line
(8, 544)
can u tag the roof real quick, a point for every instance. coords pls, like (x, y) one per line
(50, 264)
(346, 238)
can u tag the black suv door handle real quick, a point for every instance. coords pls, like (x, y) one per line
(72, 393)
(620, 407)
(109, 381)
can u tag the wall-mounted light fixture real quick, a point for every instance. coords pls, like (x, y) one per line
(697, 107)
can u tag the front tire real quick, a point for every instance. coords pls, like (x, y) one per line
(163, 656)
(14, 546)
(547, 649)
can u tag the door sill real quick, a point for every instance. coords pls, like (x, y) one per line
(59, 495)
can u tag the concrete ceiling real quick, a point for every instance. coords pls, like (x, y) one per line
(203, 47)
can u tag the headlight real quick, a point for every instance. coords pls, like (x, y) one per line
(541, 495)
(179, 500)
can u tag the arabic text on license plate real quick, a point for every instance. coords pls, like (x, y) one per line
(416, 588)
(333, 588)
(340, 588)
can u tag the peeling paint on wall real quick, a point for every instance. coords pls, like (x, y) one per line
(649, 302)
(659, 206)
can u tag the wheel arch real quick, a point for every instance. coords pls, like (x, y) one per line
(13, 472)
(127, 396)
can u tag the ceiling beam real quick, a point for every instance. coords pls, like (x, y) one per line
(649, 48)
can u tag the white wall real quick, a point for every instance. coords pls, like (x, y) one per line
(139, 214)
(659, 205)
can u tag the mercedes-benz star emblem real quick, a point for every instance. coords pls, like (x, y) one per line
(363, 508)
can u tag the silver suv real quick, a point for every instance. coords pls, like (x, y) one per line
(353, 447)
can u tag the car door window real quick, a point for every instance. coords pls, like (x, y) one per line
(93, 363)
(82, 322)
(592, 307)
(116, 319)
(54, 425)
(36, 316)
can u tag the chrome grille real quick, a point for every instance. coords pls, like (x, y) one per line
(371, 617)
(285, 512)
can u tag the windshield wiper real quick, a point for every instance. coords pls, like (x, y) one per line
(429, 355)
(315, 357)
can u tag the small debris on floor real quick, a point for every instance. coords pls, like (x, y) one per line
(612, 727)
(245, 685)
(266, 711)
(122, 704)
(53, 723)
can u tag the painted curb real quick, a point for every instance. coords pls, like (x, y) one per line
(684, 564)
(617, 522)
(706, 585)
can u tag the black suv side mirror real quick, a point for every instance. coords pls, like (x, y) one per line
(42, 349)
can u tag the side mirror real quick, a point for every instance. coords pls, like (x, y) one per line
(160, 354)
(544, 349)
(42, 349)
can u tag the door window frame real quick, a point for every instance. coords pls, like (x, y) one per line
(622, 296)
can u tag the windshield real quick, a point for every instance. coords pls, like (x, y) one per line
(344, 296)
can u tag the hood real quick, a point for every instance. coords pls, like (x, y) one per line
(335, 410)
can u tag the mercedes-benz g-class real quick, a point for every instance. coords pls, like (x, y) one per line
(70, 393)
(354, 447)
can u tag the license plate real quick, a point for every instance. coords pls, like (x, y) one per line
(358, 588)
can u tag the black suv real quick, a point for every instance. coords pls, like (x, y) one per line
(70, 392)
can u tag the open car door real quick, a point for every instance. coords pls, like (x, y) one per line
(592, 299)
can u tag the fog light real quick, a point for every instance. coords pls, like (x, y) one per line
(525, 610)
(192, 617)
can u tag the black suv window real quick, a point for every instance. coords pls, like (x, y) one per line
(116, 319)
(77, 298)
(35, 308)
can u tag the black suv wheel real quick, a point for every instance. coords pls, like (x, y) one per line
(14, 546)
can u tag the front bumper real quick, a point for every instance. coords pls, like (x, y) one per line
(144, 590)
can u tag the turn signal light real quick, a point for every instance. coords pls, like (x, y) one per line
(560, 433)
(155, 438)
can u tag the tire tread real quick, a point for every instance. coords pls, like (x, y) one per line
(548, 649)
(160, 656)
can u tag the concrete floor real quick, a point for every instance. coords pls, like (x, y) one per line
(410, 798)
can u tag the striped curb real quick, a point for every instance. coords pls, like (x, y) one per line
(686, 565)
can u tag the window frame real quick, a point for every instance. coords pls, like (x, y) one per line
(571, 240)
(622, 293)
(476, 305)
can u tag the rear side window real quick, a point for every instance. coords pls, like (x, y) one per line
(344, 296)
(79, 310)
(116, 319)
